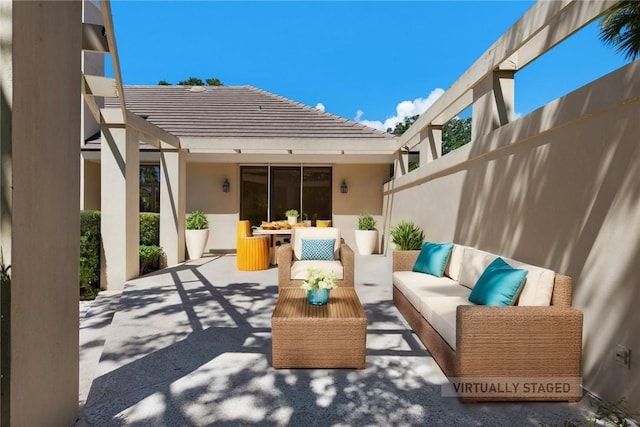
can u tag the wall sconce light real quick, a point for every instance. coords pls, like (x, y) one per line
(343, 187)
(225, 186)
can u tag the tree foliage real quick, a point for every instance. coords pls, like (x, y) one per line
(194, 81)
(455, 134)
(214, 82)
(620, 27)
(402, 127)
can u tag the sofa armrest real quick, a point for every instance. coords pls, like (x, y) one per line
(285, 257)
(347, 259)
(524, 342)
(404, 260)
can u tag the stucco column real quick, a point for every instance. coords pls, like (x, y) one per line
(173, 177)
(431, 145)
(400, 163)
(120, 205)
(493, 103)
(40, 46)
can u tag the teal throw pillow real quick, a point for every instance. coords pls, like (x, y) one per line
(317, 249)
(433, 258)
(499, 284)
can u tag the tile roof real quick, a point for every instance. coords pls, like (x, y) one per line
(237, 112)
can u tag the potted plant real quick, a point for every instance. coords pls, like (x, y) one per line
(196, 234)
(366, 234)
(407, 236)
(318, 285)
(292, 216)
(307, 222)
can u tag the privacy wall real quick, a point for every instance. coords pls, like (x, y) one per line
(559, 188)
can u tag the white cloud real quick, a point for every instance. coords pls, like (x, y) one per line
(403, 109)
(320, 106)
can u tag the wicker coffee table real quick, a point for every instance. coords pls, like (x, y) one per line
(326, 336)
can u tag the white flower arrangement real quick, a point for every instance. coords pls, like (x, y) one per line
(319, 279)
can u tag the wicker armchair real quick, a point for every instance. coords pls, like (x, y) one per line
(253, 252)
(289, 272)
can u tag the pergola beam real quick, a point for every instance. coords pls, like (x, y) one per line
(545, 25)
(289, 145)
(100, 86)
(94, 38)
(154, 132)
(107, 19)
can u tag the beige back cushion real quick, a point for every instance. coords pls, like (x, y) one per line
(474, 262)
(300, 233)
(454, 265)
(538, 285)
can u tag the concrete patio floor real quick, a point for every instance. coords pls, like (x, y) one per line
(191, 346)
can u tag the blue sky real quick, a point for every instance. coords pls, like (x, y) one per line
(371, 61)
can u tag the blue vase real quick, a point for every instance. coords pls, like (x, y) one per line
(318, 296)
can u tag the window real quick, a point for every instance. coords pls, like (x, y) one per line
(149, 188)
(268, 191)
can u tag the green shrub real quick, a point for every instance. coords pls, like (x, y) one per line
(150, 229)
(407, 236)
(197, 220)
(89, 253)
(150, 250)
(150, 256)
(604, 414)
(366, 222)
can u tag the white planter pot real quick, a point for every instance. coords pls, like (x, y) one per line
(292, 219)
(366, 241)
(196, 242)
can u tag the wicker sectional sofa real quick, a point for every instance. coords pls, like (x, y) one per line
(535, 345)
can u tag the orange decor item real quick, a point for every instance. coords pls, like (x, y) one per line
(253, 252)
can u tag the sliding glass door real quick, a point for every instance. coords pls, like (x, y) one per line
(285, 191)
(316, 193)
(268, 191)
(254, 190)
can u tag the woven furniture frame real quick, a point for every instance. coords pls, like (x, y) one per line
(505, 342)
(326, 336)
(286, 257)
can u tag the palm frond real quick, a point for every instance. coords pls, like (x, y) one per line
(620, 27)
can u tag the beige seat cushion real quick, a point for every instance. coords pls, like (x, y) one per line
(313, 233)
(419, 286)
(441, 315)
(299, 268)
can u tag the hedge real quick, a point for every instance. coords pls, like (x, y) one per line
(89, 253)
(150, 258)
(150, 229)
(90, 242)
